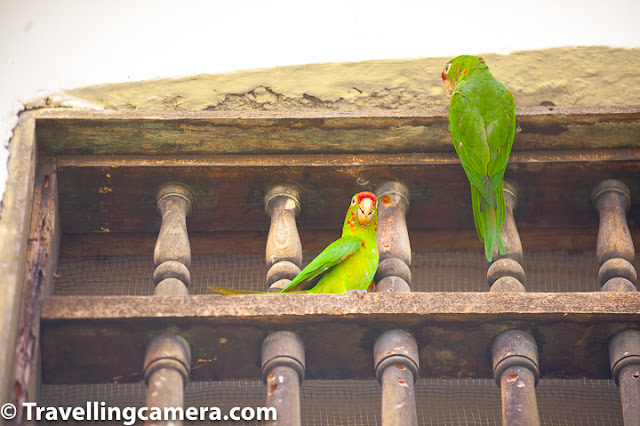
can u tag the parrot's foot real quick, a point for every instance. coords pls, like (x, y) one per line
(359, 293)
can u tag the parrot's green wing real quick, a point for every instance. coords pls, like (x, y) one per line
(334, 254)
(501, 123)
(482, 124)
(501, 118)
(470, 141)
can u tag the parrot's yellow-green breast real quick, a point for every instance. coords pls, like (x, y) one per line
(354, 269)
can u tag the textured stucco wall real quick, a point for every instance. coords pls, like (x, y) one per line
(560, 76)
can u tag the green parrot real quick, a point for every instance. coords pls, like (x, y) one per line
(482, 121)
(348, 263)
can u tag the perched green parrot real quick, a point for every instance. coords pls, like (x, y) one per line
(482, 121)
(348, 263)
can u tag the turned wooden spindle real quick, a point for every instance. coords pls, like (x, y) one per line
(514, 352)
(396, 361)
(516, 371)
(172, 254)
(284, 249)
(624, 359)
(167, 365)
(615, 251)
(506, 272)
(394, 273)
(283, 366)
(395, 353)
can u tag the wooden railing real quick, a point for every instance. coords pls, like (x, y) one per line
(217, 174)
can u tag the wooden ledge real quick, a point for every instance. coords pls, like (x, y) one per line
(100, 339)
(406, 308)
(83, 132)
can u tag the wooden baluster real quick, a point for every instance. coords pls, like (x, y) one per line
(395, 356)
(624, 358)
(283, 360)
(284, 250)
(395, 352)
(167, 365)
(283, 365)
(515, 369)
(394, 273)
(168, 357)
(172, 254)
(506, 272)
(514, 352)
(615, 252)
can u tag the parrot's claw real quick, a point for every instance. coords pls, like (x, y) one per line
(359, 293)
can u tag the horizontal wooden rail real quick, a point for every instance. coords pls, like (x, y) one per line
(82, 132)
(98, 339)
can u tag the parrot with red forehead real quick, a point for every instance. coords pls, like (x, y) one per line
(482, 121)
(347, 264)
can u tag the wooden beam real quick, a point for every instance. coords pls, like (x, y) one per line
(98, 339)
(42, 258)
(81, 132)
(14, 232)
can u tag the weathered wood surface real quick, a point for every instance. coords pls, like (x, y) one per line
(80, 132)
(283, 253)
(116, 194)
(94, 339)
(172, 253)
(14, 231)
(42, 259)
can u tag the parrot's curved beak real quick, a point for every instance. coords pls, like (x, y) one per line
(449, 86)
(365, 211)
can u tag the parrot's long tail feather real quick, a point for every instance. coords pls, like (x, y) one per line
(488, 192)
(233, 291)
(489, 221)
(500, 216)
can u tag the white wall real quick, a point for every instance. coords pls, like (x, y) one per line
(48, 45)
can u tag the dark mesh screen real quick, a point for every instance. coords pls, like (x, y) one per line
(357, 403)
(353, 402)
(547, 271)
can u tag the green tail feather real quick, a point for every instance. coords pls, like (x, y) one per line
(489, 221)
(489, 193)
(233, 291)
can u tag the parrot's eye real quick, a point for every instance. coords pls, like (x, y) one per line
(354, 200)
(446, 69)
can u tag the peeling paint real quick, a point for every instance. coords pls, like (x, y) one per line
(535, 77)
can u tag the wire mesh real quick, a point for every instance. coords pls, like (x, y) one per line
(465, 270)
(440, 402)
(351, 402)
